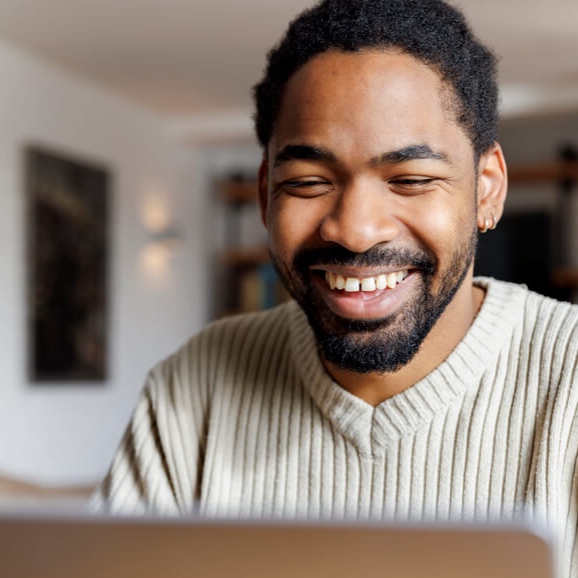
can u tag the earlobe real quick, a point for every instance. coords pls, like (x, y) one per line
(492, 187)
(263, 185)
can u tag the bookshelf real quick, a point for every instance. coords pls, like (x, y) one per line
(564, 172)
(250, 281)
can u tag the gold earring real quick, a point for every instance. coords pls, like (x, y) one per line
(486, 225)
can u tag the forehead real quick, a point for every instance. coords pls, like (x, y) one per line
(367, 102)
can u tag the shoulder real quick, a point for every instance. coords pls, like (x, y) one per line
(551, 334)
(239, 334)
(539, 334)
(225, 347)
(542, 354)
(551, 331)
(540, 318)
(546, 349)
(551, 324)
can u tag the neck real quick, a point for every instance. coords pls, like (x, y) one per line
(448, 331)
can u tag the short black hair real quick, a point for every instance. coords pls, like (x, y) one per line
(430, 30)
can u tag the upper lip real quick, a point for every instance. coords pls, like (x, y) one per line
(358, 273)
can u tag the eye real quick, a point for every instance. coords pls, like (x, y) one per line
(305, 187)
(411, 184)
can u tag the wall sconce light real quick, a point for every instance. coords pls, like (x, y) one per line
(170, 239)
(157, 255)
(162, 233)
(164, 241)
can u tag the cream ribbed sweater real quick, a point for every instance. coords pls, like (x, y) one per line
(244, 421)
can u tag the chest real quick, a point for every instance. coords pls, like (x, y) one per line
(300, 464)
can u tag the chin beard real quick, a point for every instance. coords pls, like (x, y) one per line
(379, 345)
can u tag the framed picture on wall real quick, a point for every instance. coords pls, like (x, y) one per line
(67, 268)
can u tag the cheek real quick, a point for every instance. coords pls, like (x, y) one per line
(443, 226)
(291, 226)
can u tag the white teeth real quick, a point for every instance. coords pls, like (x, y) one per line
(331, 280)
(369, 284)
(351, 284)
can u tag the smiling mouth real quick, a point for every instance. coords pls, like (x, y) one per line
(379, 282)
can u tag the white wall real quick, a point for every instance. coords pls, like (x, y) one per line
(68, 434)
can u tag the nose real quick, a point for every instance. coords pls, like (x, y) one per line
(361, 217)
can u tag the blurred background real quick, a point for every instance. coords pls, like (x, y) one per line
(127, 200)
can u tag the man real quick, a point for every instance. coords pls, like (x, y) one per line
(394, 385)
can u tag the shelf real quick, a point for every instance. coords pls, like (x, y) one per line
(565, 278)
(238, 192)
(251, 256)
(548, 172)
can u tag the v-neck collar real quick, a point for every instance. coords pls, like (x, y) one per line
(370, 428)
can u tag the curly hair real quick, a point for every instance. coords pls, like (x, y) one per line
(429, 30)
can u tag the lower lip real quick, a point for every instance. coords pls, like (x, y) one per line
(366, 304)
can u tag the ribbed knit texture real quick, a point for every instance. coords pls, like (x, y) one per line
(244, 421)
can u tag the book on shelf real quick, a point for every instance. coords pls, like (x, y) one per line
(259, 288)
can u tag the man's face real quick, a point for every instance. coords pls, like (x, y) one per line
(369, 196)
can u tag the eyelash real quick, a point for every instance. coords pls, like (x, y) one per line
(302, 183)
(307, 187)
(412, 182)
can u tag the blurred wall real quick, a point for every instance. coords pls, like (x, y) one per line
(56, 434)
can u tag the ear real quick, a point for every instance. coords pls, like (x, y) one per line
(492, 186)
(262, 184)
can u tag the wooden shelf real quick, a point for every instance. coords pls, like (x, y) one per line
(557, 171)
(565, 278)
(251, 256)
(236, 192)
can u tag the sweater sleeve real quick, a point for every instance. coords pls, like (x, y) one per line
(568, 553)
(563, 444)
(158, 465)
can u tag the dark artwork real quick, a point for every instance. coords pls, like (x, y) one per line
(67, 268)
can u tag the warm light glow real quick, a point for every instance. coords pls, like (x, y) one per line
(156, 218)
(155, 265)
(163, 244)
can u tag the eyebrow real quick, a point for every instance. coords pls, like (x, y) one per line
(302, 152)
(409, 153)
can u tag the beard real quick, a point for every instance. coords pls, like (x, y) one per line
(382, 345)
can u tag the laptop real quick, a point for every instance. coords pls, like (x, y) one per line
(49, 546)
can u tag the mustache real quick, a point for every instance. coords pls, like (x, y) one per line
(422, 260)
